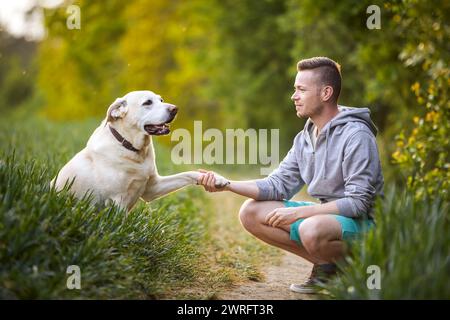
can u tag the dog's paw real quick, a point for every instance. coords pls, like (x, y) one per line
(221, 182)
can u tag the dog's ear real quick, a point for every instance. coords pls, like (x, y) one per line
(117, 110)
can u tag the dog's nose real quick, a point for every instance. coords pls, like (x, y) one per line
(173, 109)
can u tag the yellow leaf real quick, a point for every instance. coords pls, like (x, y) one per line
(415, 88)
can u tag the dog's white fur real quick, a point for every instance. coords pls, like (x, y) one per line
(112, 172)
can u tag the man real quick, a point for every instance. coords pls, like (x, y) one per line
(336, 155)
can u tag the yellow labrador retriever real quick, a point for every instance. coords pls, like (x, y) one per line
(118, 162)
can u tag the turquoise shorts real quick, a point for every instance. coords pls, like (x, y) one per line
(351, 228)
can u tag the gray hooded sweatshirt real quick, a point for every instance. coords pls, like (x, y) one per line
(344, 165)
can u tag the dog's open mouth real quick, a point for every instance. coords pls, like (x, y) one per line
(157, 129)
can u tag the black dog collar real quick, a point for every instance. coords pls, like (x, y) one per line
(122, 140)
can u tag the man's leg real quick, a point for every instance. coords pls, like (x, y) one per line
(321, 236)
(252, 216)
(321, 239)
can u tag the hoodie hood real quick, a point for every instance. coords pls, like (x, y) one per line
(345, 115)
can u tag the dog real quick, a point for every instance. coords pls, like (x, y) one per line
(118, 163)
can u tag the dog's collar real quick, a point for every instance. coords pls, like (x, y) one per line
(122, 140)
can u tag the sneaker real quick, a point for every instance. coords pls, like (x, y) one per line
(308, 287)
(320, 274)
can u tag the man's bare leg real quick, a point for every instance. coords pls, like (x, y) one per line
(322, 238)
(252, 216)
(321, 235)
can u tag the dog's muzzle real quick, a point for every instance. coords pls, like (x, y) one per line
(163, 128)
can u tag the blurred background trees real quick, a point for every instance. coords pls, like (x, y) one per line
(232, 64)
(16, 71)
(424, 152)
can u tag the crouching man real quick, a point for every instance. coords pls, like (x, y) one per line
(336, 156)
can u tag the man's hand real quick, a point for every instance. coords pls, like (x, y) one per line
(283, 216)
(212, 181)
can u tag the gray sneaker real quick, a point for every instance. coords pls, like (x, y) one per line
(320, 274)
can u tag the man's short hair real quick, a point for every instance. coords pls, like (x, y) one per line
(330, 72)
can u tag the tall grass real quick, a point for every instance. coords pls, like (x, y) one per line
(410, 245)
(42, 231)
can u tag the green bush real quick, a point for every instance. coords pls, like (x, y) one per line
(423, 153)
(410, 245)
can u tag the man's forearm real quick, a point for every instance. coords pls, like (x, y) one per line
(250, 189)
(244, 188)
(324, 208)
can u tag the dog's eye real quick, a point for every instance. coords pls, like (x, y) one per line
(148, 103)
(162, 100)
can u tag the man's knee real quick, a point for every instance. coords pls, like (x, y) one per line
(312, 234)
(248, 214)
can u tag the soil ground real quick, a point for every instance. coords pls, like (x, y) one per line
(277, 274)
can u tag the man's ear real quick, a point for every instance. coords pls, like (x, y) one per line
(117, 110)
(327, 93)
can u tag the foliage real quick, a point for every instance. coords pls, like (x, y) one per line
(232, 63)
(16, 71)
(410, 245)
(78, 69)
(169, 48)
(423, 153)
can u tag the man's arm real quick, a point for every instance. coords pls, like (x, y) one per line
(286, 216)
(283, 183)
(279, 216)
(250, 189)
(360, 167)
(244, 188)
(324, 208)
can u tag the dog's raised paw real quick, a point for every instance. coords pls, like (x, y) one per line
(221, 182)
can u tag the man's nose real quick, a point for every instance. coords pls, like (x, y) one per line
(294, 96)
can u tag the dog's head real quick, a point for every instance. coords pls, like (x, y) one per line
(143, 110)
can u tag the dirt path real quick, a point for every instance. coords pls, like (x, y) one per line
(278, 274)
(276, 284)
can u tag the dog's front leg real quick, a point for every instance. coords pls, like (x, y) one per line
(159, 186)
(119, 201)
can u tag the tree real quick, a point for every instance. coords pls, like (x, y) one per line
(424, 152)
(78, 69)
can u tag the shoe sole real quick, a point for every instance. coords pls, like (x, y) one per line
(297, 289)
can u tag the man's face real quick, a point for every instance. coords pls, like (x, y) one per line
(307, 94)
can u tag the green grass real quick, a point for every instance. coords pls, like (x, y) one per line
(42, 232)
(155, 248)
(179, 246)
(410, 245)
